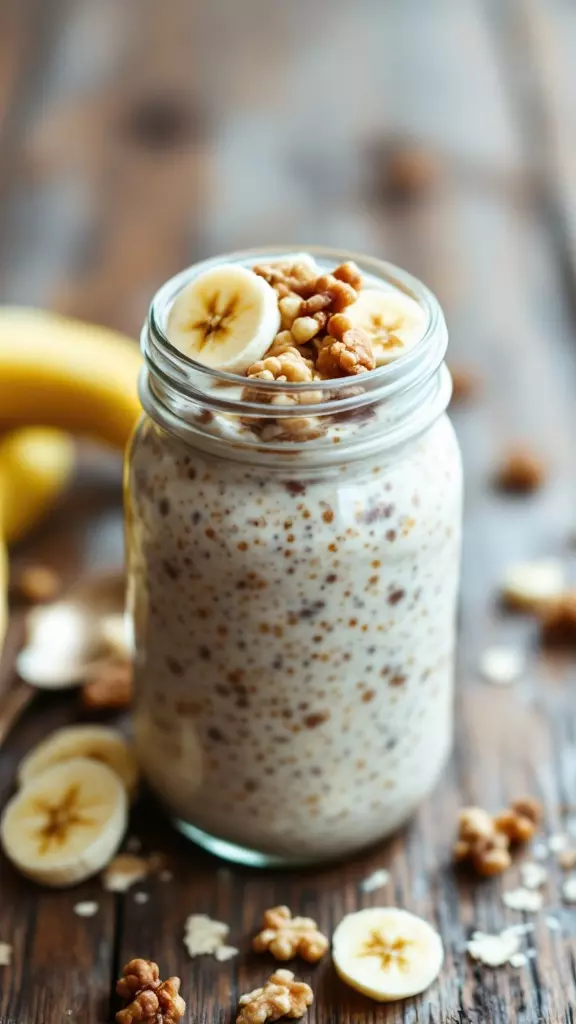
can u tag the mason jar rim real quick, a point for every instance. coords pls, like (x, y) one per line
(405, 371)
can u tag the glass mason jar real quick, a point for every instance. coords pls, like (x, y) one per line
(293, 584)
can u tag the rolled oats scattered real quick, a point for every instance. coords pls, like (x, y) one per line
(86, 908)
(527, 900)
(124, 871)
(204, 936)
(5, 954)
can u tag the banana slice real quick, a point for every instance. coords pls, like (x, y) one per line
(226, 318)
(66, 823)
(95, 742)
(387, 953)
(394, 321)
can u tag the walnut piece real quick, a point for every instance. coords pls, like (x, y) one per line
(520, 821)
(480, 844)
(281, 996)
(484, 839)
(558, 621)
(289, 365)
(36, 584)
(405, 169)
(285, 936)
(521, 472)
(352, 355)
(151, 1001)
(108, 685)
(137, 975)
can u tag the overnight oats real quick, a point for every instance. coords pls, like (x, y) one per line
(293, 514)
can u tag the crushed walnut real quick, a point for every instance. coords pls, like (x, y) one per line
(285, 936)
(36, 584)
(558, 621)
(281, 996)
(521, 472)
(150, 1001)
(349, 356)
(289, 365)
(108, 685)
(520, 821)
(484, 840)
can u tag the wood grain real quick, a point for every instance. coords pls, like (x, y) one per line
(141, 150)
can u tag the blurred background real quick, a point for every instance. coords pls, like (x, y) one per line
(138, 136)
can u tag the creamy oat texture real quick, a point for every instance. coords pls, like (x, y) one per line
(294, 637)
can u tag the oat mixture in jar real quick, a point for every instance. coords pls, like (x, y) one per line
(293, 548)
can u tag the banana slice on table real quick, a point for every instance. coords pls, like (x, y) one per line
(394, 321)
(65, 824)
(94, 742)
(226, 318)
(387, 953)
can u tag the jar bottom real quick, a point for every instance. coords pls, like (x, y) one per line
(236, 854)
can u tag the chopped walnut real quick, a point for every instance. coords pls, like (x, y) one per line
(137, 975)
(349, 273)
(352, 355)
(405, 169)
(36, 584)
(520, 822)
(289, 278)
(290, 307)
(558, 621)
(151, 1001)
(479, 842)
(281, 996)
(521, 472)
(108, 685)
(285, 936)
(289, 365)
(484, 839)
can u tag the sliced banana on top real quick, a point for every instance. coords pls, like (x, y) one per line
(394, 322)
(96, 742)
(65, 824)
(226, 318)
(387, 953)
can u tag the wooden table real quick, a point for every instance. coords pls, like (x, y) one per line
(139, 135)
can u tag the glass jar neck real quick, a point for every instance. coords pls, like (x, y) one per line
(334, 421)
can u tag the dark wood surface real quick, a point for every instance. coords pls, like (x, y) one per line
(138, 135)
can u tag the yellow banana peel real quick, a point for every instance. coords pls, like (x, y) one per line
(56, 375)
(35, 466)
(57, 372)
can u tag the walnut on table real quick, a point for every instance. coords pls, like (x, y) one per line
(285, 936)
(484, 839)
(281, 996)
(108, 685)
(558, 621)
(151, 1001)
(521, 472)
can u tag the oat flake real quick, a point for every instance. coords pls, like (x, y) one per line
(533, 875)
(124, 871)
(203, 936)
(141, 897)
(523, 899)
(375, 881)
(557, 842)
(502, 665)
(5, 954)
(569, 890)
(518, 960)
(86, 908)
(494, 950)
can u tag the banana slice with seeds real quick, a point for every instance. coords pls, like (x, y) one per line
(394, 322)
(387, 953)
(96, 742)
(66, 824)
(226, 318)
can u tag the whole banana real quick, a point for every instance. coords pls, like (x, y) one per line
(56, 372)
